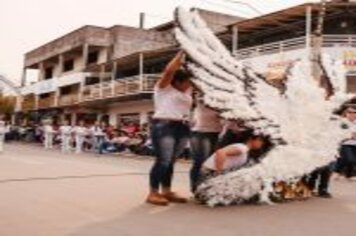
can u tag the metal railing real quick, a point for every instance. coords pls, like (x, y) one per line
(294, 44)
(44, 103)
(67, 100)
(120, 87)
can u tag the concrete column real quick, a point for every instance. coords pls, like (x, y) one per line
(308, 26)
(101, 78)
(41, 71)
(56, 97)
(141, 71)
(24, 77)
(60, 63)
(37, 99)
(74, 118)
(85, 55)
(235, 39)
(113, 78)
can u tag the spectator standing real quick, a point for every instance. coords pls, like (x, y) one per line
(97, 132)
(65, 131)
(206, 129)
(48, 134)
(80, 131)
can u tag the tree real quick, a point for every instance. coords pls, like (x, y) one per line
(7, 105)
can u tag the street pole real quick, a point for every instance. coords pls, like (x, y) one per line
(318, 42)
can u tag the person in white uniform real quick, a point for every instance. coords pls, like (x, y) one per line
(2, 135)
(48, 134)
(206, 128)
(66, 136)
(80, 132)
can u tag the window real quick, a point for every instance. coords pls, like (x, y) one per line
(66, 90)
(93, 57)
(92, 80)
(68, 65)
(48, 73)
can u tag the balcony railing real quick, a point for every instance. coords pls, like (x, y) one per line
(67, 100)
(28, 105)
(45, 103)
(120, 87)
(294, 44)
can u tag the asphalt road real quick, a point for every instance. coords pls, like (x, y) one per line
(48, 193)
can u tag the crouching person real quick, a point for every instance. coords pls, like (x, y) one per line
(233, 157)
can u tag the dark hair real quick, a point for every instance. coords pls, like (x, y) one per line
(257, 155)
(181, 75)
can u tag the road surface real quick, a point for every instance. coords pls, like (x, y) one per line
(48, 193)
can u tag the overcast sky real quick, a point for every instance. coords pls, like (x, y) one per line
(27, 24)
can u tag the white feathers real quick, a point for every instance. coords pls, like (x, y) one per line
(302, 114)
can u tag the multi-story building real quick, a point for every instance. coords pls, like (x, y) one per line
(95, 72)
(270, 43)
(103, 73)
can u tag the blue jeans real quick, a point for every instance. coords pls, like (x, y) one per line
(169, 139)
(98, 141)
(203, 146)
(347, 161)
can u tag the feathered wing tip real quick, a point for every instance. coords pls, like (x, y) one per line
(229, 87)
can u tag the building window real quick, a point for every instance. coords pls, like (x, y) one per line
(92, 80)
(351, 83)
(48, 73)
(67, 90)
(68, 65)
(93, 57)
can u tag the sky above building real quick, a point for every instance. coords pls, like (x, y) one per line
(27, 24)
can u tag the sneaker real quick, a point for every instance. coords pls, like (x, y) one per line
(157, 199)
(324, 194)
(174, 197)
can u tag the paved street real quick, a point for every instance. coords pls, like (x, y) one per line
(48, 193)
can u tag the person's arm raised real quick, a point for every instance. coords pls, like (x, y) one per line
(170, 70)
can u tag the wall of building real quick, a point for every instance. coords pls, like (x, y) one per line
(274, 66)
(142, 108)
(129, 40)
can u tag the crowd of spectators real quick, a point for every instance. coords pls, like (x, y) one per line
(102, 138)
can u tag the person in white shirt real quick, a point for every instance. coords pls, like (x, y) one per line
(233, 156)
(170, 129)
(97, 132)
(206, 129)
(66, 136)
(80, 131)
(2, 135)
(48, 131)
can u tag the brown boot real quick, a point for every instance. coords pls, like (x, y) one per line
(174, 197)
(157, 199)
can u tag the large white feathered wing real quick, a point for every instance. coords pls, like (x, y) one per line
(301, 117)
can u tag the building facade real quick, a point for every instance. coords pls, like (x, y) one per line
(108, 74)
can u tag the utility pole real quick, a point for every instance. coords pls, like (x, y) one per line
(317, 42)
(142, 20)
